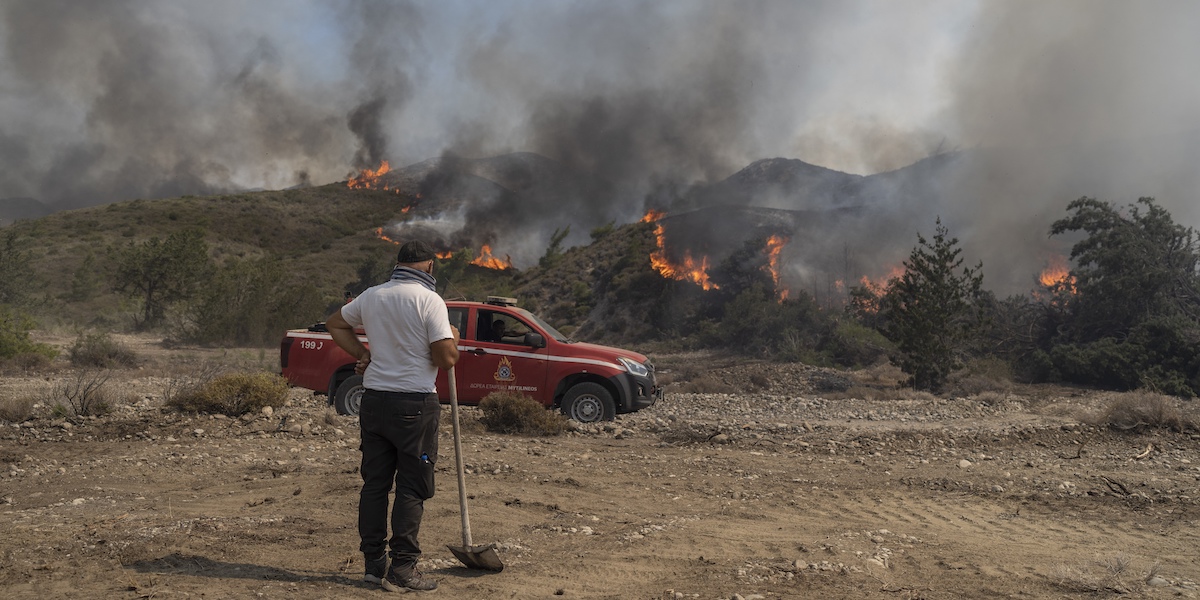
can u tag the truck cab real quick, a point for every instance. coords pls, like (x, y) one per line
(502, 348)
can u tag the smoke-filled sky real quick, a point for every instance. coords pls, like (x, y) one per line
(108, 100)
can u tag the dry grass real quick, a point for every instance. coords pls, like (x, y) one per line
(514, 413)
(26, 364)
(188, 380)
(233, 394)
(1112, 574)
(1141, 410)
(907, 393)
(16, 409)
(881, 375)
(861, 392)
(991, 398)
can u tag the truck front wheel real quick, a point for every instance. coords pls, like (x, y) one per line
(589, 403)
(349, 396)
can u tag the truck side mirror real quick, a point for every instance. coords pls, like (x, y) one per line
(535, 340)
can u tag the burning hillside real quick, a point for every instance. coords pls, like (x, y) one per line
(516, 201)
(805, 228)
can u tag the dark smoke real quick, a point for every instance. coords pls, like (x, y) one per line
(121, 99)
(1068, 99)
(610, 108)
(366, 122)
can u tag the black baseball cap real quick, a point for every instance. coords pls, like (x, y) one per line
(414, 252)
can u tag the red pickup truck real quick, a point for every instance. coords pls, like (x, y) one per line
(502, 348)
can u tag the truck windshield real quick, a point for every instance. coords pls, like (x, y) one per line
(546, 327)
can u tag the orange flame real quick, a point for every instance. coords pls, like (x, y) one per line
(691, 269)
(379, 234)
(876, 288)
(368, 179)
(879, 286)
(488, 261)
(444, 255)
(653, 215)
(775, 246)
(1058, 275)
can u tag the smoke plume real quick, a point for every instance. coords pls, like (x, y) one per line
(639, 104)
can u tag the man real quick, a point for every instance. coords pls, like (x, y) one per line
(411, 338)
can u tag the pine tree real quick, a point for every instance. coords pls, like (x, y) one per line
(930, 313)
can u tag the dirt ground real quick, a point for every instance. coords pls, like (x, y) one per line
(781, 492)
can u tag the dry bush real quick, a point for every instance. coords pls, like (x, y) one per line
(982, 375)
(760, 381)
(1140, 410)
(84, 393)
(1109, 574)
(907, 393)
(882, 375)
(689, 433)
(101, 351)
(26, 363)
(234, 394)
(16, 409)
(190, 380)
(707, 384)
(991, 398)
(331, 417)
(515, 413)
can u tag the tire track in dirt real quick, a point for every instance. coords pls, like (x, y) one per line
(993, 534)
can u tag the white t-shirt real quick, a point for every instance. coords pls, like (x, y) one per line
(401, 320)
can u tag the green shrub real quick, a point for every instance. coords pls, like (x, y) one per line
(28, 362)
(515, 413)
(233, 394)
(852, 344)
(248, 302)
(102, 351)
(603, 230)
(14, 335)
(756, 323)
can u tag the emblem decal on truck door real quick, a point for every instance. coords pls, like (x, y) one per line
(504, 371)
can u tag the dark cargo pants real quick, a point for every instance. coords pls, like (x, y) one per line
(399, 442)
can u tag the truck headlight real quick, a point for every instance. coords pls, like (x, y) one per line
(633, 367)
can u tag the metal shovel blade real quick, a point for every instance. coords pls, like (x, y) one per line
(482, 557)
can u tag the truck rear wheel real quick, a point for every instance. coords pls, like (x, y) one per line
(349, 396)
(589, 402)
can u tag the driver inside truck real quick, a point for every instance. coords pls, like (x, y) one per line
(490, 330)
(498, 332)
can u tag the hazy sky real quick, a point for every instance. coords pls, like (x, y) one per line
(167, 96)
(108, 100)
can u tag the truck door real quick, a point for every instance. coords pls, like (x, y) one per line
(494, 357)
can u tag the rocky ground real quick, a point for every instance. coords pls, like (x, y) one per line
(782, 490)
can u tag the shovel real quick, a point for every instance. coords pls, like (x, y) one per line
(482, 557)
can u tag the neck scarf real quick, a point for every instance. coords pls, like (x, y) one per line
(410, 275)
